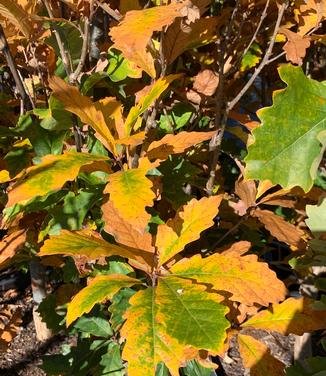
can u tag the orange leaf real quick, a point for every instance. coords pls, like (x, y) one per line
(279, 227)
(248, 280)
(237, 249)
(176, 144)
(123, 232)
(84, 108)
(132, 38)
(295, 47)
(10, 245)
(193, 218)
(295, 316)
(206, 82)
(256, 356)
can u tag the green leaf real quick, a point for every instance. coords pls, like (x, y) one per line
(111, 362)
(290, 142)
(96, 326)
(316, 220)
(251, 58)
(119, 305)
(311, 367)
(178, 117)
(47, 310)
(99, 289)
(193, 368)
(119, 67)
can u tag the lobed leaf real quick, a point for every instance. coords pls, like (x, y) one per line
(50, 174)
(189, 222)
(290, 142)
(100, 288)
(295, 316)
(248, 280)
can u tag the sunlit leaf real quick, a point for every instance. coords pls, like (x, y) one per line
(248, 280)
(17, 16)
(50, 174)
(290, 142)
(99, 289)
(190, 221)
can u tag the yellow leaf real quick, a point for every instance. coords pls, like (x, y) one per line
(133, 140)
(248, 280)
(133, 33)
(4, 176)
(186, 227)
(101, 288)
(153, 93)
(84, 108)
(295, 316)
(50, 174)
(17, 16)
(130, 192)
(256, 356)
(90, 244)
(176, 144)
(112, 113)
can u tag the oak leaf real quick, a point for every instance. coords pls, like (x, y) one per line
(131, 192)
(132, 38)
(153, 92)
(279, 227)
(84, 108)
(193, 218)
(248, 280)
(256, 357)
(176, 144)
(295, 47)
(89, 243)
(294, 315)
(100, 288)
(50, 174)
(206, 82)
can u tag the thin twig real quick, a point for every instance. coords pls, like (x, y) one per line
(262, 63)
(4, 48)
(63, 53)
(110, 11)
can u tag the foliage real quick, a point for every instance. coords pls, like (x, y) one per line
(174, 225)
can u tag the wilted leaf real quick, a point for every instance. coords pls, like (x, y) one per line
(206, 82)
(131, 192)
(179, 37)
(124, 232)
(154, 92)
(178, 304)
(176, 144)
(10, 324)
(100, 288)
(132, 38)
(295, 316)
(295, 47)
(279, 227)
(88, 243)
(189, 222)
(256, 356)
(10, 245)
(84, 108)
(17, 16)
(290, 142)
(50, 174)
(248, 280)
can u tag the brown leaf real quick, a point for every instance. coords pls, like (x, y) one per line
(278, 227)
(296, 46)
(206, 82)
(237, 249)
(10, 245)
(246, 190)
(10, 322)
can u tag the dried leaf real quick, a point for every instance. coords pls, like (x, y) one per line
(193, 218)
(50, 174)
(206, 82)
(16, 15)
(10, 245)
(295, 47)
(256, 357)
(237, 249)
(248, 280)
(295, 316)
(132, 38)
(84, 108)
(176, 144)
(10, 324)
(278, 227)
